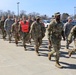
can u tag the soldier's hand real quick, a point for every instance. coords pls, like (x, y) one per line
(69, 41)
(11, 31)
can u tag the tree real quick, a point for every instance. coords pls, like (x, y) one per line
(22, 12)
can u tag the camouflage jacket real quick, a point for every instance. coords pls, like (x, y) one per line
(37, 30)
(2, 24)
(55, 30)
(72, 33)
(15, 27)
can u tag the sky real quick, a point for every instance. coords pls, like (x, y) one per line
(48, 7)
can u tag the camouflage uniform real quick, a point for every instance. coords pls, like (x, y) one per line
(54, 34)
(72, 33)
(67, 28)
(2, 29)
(15, 29)
(7, 26)
(37, 33)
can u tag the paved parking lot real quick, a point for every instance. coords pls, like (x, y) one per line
(16, 61)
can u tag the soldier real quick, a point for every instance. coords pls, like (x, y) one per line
(30, 23)
(67, 27)
(55, 30)
(36, 33)
(15, 30)
(72, 33)
(49, 40)
(2, 27)
(7, 26)
(25, 31)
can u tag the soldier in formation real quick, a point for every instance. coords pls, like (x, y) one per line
(55, 30)
(37, 31)
(72, 33)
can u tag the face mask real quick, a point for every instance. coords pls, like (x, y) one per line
(58, 18)
(24, 22)
(38, 20)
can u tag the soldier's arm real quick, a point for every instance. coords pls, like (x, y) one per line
(5, 24)
(12, 27)
(71, 33)
(63, 34)
(49, 29)
(32, 27)
(65, 28)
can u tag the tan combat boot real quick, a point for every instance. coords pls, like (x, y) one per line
(25, 47)
(57, 64)
(49, 47)
(70, 53)
(37, 53)
(49, 56)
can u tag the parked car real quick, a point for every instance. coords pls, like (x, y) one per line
(74, 23)
(46, 23)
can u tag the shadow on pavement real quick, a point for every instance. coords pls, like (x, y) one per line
(68, 66)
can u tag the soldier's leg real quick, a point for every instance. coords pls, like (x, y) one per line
(57, 55)
(67, 45)
(24, 40)
(49, 44)
(36, 46)
(73, 50)
(51, 52)
(16, 39)
(40, 41)
(9, 37)
(4, 34)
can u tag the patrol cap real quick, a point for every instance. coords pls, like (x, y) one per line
(69, 18)
(57, 14)
(37, 17)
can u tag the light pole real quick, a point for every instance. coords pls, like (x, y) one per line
(74, 12)
(18, 7)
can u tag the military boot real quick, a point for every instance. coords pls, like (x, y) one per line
(49, 47)
(25, 47)
(49, 56)
(36, 49)
(37, 53)
(57, 64)
(16, 43)
(70, 53)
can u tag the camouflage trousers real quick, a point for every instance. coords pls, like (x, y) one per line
(3, 33)
(38, 42)
(67, 44)
(25, 38)
(17, 38)
(56, 48)
(74, 50)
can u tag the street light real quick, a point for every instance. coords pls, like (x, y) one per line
(74, 11)
(18, 7)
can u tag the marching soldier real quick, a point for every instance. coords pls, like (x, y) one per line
(2, 27)
(7, 26)
(55, 30)
(15, 30)
(36, 32)
(72, 33)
